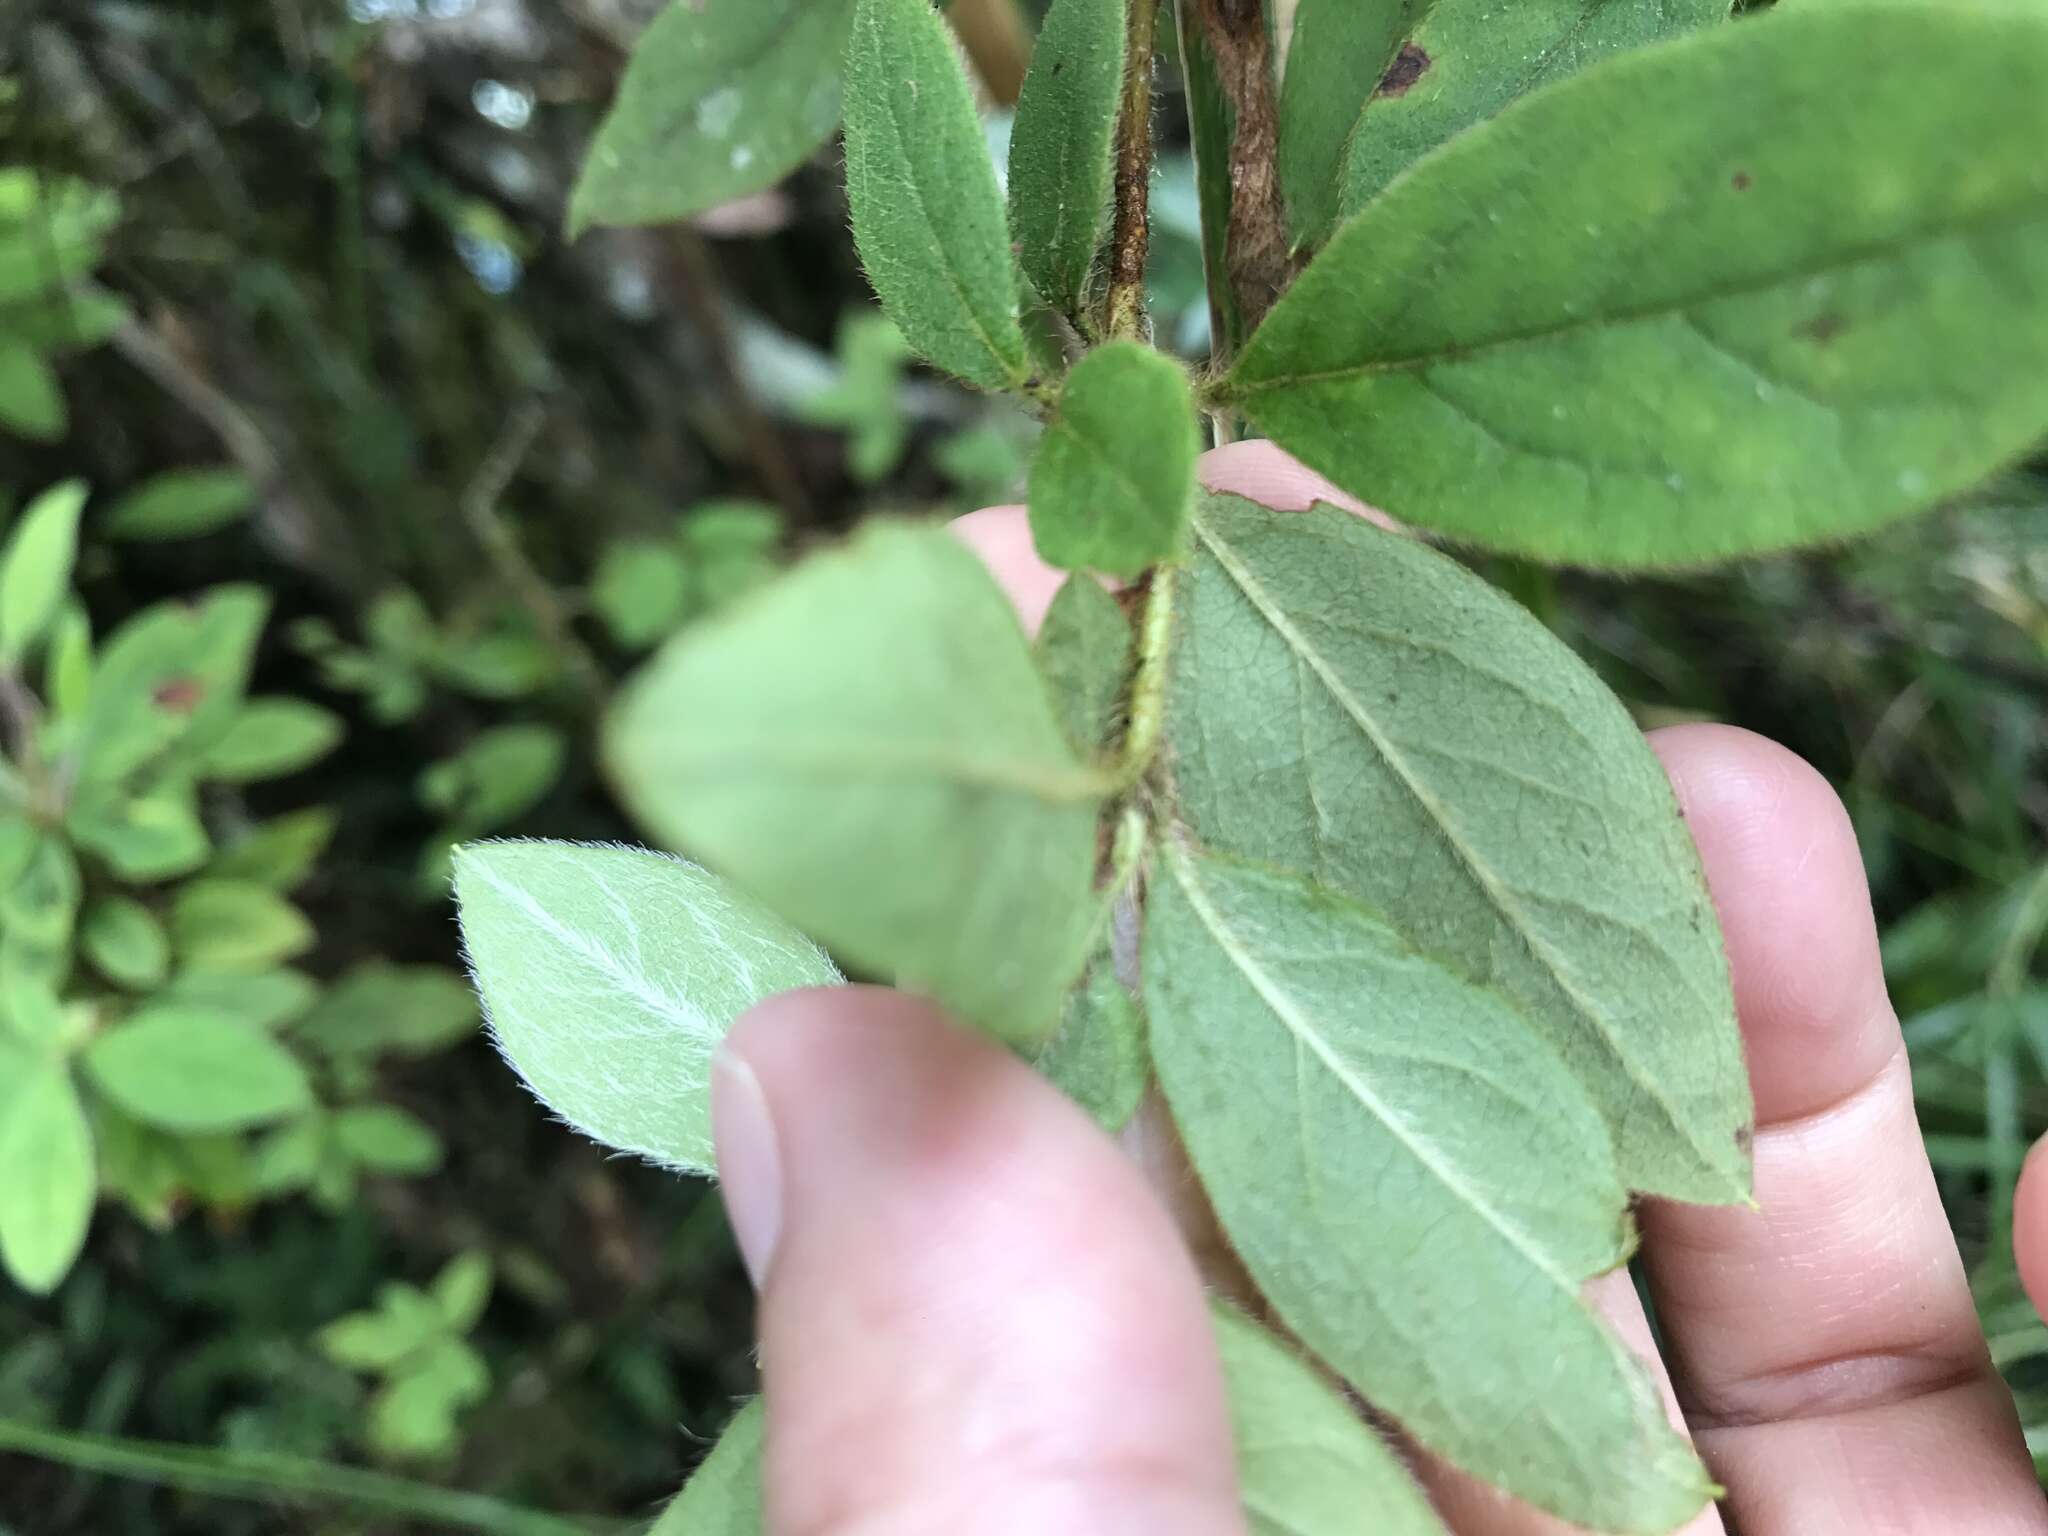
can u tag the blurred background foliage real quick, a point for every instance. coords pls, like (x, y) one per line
(381, 485)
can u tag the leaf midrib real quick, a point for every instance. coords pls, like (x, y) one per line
(1304, 1031)
(1495, 890)
(2028, 211)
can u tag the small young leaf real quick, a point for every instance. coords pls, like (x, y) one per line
(867, 747)
(262, 1001)
(125, 942)
(281, 852)
(416, 1414)
(232, 925)
(723, 1496)
(1307, 1465)
(269, 738)
(462, 1290)
(385, 1139)
(1786, 314)
(40, 907)
(1062, 154)
(190, 1072)
(31, 401)
(1464, 60)
(142, 838)
(1351, 703)
(67, 662)
(1115, 475)
(46, 1195)
(182, 504)
(1305, 1049)
(927, 214)
(641, 590)
(611, 974)
(171, 677)
(496, 779)
(1339, 55)
(1099, 1058)
(402, 1010)
(1084, 650)
(721, 98)
(35, 568)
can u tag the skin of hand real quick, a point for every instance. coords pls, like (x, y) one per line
(977, 1315)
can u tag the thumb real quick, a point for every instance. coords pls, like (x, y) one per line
(974, 1315)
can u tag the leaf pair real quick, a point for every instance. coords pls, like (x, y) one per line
(1789, 313)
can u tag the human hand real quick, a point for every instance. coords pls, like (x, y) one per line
(976, 1314)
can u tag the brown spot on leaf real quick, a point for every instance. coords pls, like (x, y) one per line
(1741, 181)
(181, 695)
(1745, 1139)
(1409, 66)
(1824, 327)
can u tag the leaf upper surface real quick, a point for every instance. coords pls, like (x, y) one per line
(1352, 704)
(191, 1072)
(866, 746)
(611, 974)
(46, 1199)
(721, 98)
(927, 214)
(1084, 649)
(1062, 147)
(1339, 54)
(1788, 313)
(1317, 1067)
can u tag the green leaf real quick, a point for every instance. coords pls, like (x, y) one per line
(187, 1072)
(462, 1290)
(865, 400)
(611, 975)
(233, 925)
(142, 838)
(1464, 60)
(125, 942)
(1340, 52)
(31, 401)
(723, 1497)
(405, 1321)
(1349, 703)
(35, 568)
(269, 738)
(262, 1001)
(41, 906)
(1786, 314)
(927, 214)
(1306, 1050)
(641, 590)
(385, 1139)
(1212, 130)
(50, 231)
(1307, 1465)
(1114, 480)
(867, 747)
(181, 504)
(721, 98)
(415, 1415)
(500, 776)
(1084, 650)
(1099, 1058)
(46, 1198)
(67, 662)
(1062, 148)
(407, 1010)
(281, 852)
(172, 676)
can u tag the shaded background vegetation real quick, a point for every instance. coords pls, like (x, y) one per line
(488, 470)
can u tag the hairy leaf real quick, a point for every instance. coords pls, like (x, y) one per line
(1062, 148)
(35, 568)
(1312, 1059)
(927, 214)
(46, 1196)
(723, 1496)
(610, 976)
(1114, 479)
(867, 747)
(721, 98)
(1463, 60)
(188, 1072)
(1098, 1058)
(1788, 313)
(1084, 650)
(1340, 52)
(1349, 703)
(1307, 1465)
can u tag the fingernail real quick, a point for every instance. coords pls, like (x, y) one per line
(749, 1164)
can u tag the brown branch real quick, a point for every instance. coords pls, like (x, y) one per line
(998, 44)
(1256, 260)
(1130, 235)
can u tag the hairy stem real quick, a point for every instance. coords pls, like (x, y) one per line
(1148, 679)
(1131, 231)
(1230, 38)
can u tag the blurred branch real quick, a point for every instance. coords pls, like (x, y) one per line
(998, 44)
